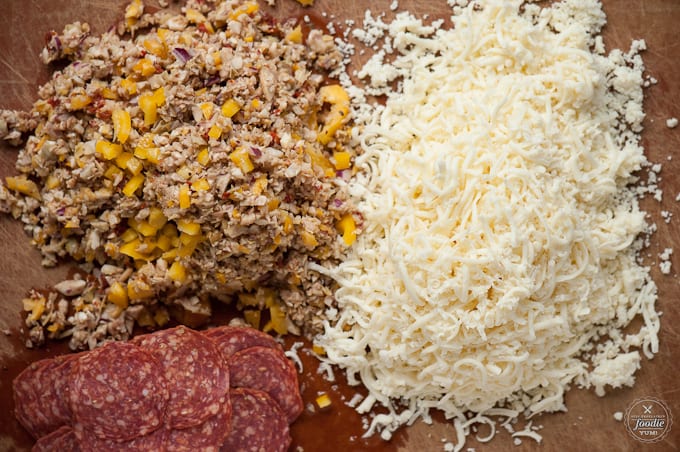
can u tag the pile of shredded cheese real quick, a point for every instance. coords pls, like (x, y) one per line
(498, 263)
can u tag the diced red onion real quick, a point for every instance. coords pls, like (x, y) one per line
(182, 54)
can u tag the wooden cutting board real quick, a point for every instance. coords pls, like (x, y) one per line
(588, 425)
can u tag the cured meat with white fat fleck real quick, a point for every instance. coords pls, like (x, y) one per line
(118, 392)
(258, 424)
(40, 395)
(196, 373)
(205, 437)
(270, 371)
(61, 440)
(231, 339)
(156, 441)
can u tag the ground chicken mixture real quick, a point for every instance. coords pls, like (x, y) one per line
(184, 157)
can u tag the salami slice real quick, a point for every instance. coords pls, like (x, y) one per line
(118, 392)
(60, 440)
(205, 437)
(270, 371)
(258, 424)
(196, 372)
(156, 441)
(39, 395)
(231, 339)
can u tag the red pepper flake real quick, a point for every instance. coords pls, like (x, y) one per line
(202, 27)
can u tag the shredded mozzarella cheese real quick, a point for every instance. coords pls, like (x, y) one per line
(498, 232)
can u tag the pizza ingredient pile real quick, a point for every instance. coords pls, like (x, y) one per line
(176, 389)
(498, 265)
(182, 157)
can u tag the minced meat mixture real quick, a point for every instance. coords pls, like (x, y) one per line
(183, 157)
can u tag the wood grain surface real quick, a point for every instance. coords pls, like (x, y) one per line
(589, 423)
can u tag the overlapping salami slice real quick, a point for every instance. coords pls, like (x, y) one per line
(40, 399)
(61, 440)
(258, 424)
(156, 441)
(205, 437)
(268, 370)
(196, 373)
(118, 392)
(231, 339)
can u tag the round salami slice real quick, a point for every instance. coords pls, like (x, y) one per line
(118, 392)
(231, 339)
(156, 441)
(196, 372)
(270, 371)
(258, 424)
(205, 437)
(61, 440)
(40, 395)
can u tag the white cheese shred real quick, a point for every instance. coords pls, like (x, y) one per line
(499, 226)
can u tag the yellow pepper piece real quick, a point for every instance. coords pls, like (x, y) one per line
(129, 85)
(164, 243)
(79, 101)
(207, 109)
(118, 295)
(23, 185)
(156, 218)
(241, 158)
(201, 184)
(308, 239)
(121, 125)
(143, 227)
(278, 319)
(188, 227)
(133, 12)
(184, 197)
(188, 244)
(113, 172)
(203, 157)
(215, 132)
(339, 100)
(108, 93)
(287, 224)
(342, 160)
(252, 317)
(347, 227)
(156, 47)
(217, 58)
(144, 67)
(177, 272)
(295, 35)
(323, 401)
(129, 235)
(52, 182)
(133, 185)
(139, 290)
(148, 106)
(159, 96)
(107, 150)
(319, 160)
(131, 249)
(230, 108)
(163, 34)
